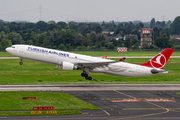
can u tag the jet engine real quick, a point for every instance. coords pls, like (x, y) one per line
(67, 66)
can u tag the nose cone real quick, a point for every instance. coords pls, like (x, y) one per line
(7, 49)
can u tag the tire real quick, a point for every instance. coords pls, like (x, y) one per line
(86, 78)
(86, 75)
(20, 63)
(82, 74)
(89, 78)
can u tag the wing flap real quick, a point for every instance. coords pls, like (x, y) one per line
(96, 64)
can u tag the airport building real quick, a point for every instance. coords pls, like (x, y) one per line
(146, 37)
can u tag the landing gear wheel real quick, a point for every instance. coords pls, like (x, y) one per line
(88, 78)
(82, 74)
(20, 63)
(86, 75)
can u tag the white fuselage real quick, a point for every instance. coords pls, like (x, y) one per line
(56, 57)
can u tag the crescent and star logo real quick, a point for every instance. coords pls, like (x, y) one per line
(159, 61)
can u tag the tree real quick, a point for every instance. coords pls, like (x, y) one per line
(51, 26)
(176, 26)
(5, 29)
(127, 43)
(87, 41)
(153, 23)
(93, 37)
(62, 24)
(160, 24)
(61, 46)
(117, 32)
(14, 27)
(14, 37)
(140, 25)
(162, 41)
(28, 26)
(114, 42)
(29, 42)
(129, 27)
(41, 38)
(98, 29)
(41, 25)
(111, 46)
(101, 37)
(51, 22)
(5, 43)
(46, 43)
(34, 38)
(130, 41)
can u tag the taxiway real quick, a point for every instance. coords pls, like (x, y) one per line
(117, 102)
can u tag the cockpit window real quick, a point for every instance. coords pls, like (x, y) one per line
(12, 46)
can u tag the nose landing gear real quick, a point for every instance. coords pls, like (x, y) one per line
(21, 61)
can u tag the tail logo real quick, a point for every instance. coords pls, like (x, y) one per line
(158, 61)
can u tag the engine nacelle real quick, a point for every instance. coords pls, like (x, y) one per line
(67, 66)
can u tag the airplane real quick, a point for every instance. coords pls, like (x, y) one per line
(72, 61)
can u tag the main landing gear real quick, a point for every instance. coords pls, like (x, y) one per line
(87, 77)
(21, 61)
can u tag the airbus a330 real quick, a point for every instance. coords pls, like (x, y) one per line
(71, 61)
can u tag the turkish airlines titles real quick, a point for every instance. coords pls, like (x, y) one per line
(47, 51)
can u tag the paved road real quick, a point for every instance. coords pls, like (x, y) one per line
(155, 102)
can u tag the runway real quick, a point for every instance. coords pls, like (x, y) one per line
(89, 87)
(153, 103)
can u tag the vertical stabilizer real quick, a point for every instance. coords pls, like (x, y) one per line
(159, 60)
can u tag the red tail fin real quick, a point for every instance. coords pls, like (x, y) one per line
(160, 59)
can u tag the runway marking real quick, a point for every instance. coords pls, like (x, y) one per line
(126, 100)
(167, 110)
(159, 100)
(136, 98)
(124, 94)
(143, 109)
(105, 112)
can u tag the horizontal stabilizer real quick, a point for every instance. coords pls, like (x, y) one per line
(155, 71)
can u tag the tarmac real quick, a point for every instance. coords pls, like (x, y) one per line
(156, 102)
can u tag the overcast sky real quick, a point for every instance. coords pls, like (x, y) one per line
(89, 10)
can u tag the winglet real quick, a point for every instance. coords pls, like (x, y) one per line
(159, 60)
(104, 57)
(122, 59)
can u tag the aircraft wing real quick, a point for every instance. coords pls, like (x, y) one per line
(95, 64)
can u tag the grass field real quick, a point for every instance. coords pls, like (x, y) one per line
(109, 53)
(34, 73)
(129, 53)
(12, 104)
